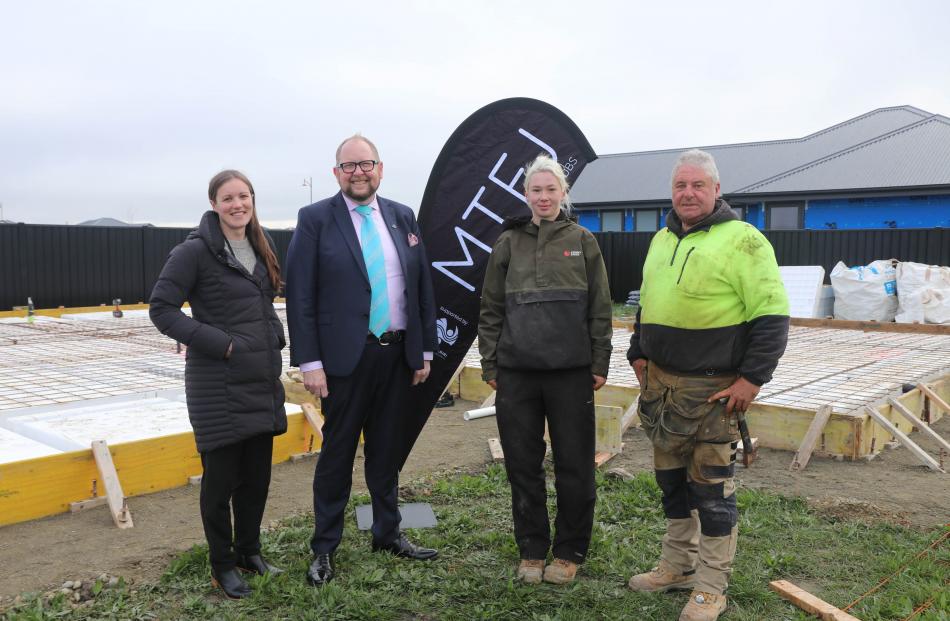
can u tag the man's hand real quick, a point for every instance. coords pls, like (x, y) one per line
(422, 374)
(493, 384)
(599, 382)
(316, 383)
(639, 369)
(741, 395)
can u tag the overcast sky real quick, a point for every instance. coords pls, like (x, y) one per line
(127, 108)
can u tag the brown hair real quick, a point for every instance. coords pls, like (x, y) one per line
(254, 230)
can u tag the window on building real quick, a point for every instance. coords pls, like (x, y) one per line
(611, 221)
(646, 220)
(783, 217)
(740, 211)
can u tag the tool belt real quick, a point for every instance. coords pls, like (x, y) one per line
(675, 414)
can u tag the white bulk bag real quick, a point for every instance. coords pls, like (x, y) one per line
(923, 293)
(865, 292)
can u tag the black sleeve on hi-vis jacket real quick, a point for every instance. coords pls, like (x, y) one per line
(766, 341)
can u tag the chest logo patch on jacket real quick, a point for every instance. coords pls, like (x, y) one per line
(573, 253)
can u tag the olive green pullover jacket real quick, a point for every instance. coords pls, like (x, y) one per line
(545, 300)
(712, 300)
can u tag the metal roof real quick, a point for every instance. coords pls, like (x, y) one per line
(885, 148)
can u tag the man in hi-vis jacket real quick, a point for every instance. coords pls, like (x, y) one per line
(712, 325)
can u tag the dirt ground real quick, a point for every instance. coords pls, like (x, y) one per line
(41, 554)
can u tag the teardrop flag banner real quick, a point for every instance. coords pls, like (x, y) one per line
(477, 182)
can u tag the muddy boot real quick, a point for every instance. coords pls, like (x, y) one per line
(560, 572)
(661, 578)
(703, 606)
(530, 570)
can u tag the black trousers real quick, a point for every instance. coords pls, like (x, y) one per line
(236, 477)
(524, 400)
(371, 401)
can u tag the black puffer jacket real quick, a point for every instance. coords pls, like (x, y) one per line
(230, 399)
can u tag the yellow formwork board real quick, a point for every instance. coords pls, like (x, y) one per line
(57, 312)
(776, 426)
(913, 401)
(35, 488)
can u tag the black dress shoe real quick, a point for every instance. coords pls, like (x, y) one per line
(406, 549)
(231, 582)
(255, 564)
(321, 570)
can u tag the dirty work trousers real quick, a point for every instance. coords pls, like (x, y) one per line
(565, 399)
(694, 453)
(236, 477)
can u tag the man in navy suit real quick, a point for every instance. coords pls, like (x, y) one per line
(361, 314)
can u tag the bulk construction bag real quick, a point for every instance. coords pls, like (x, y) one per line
(865, 292)
(923, 293)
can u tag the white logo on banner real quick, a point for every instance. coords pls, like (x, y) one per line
(445, 335)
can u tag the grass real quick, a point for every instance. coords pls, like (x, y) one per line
(473, 578)
(624, 312)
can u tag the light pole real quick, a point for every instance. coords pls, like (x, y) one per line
(308, 183)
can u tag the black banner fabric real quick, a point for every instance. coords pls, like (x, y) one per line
(475, 184)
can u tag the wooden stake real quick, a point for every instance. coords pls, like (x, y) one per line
(927, 390)
(314, 418)
(809, 603)
(489, 401)
(494, 446)
(455, 376)
(629, 415)
(602, 458)
(811, 438)
(916, 422)
(110, 480)
(922, 455)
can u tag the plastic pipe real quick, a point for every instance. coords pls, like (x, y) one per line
(479, 413)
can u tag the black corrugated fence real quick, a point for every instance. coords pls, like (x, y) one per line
(59, 265)
(624, 252)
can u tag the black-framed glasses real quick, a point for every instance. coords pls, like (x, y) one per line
(350, 167)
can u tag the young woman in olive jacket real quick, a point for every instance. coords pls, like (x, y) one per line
(227, 270)
(544, 335)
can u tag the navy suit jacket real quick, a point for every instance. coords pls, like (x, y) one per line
(328, 291)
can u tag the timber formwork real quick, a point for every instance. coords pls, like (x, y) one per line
(55, 361)
(844, 368)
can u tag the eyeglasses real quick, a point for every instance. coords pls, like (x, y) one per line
(365, 166)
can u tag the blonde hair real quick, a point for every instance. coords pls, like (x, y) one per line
(545, 163)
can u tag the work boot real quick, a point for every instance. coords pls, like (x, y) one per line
(703, 606)
(560, 572)
(661, 578)
(529, 571)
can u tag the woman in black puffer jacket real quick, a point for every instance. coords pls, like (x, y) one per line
(228, 271)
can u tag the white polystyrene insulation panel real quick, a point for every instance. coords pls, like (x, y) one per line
(803, 286)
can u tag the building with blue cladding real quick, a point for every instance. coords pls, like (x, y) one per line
(889, 168)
